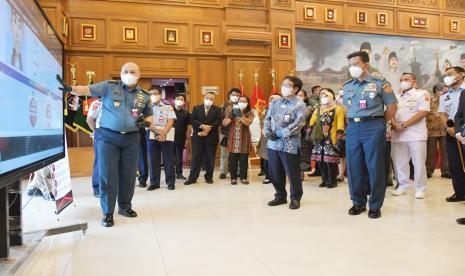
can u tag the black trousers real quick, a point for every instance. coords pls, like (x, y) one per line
(280, 165)
(241, 159)
(178, 151)
(455, 165)
(143, 161)
(328, 172)
(202, 154)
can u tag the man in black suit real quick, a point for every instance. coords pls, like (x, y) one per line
(205, 120)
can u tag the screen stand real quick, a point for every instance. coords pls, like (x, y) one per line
(11, 231)
(4, 227)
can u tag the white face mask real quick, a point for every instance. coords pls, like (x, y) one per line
(155, 98)
(324, 100)
(300, 98)
(234, 99)
(129, 79)
(405, 85)
(286, 91)
(208, 102)
(355, 71)
(242, 106)
(179, 103)
(449, 80)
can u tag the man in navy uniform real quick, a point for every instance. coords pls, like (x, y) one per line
(366, 97)
(453, 119)
(205, 119)
(283, 124)
(125, 109)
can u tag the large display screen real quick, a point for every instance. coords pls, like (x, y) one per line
(31, 106)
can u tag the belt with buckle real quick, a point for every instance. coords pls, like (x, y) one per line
(120, 132)
(365, 119)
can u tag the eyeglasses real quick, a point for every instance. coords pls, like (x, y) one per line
(287, 85)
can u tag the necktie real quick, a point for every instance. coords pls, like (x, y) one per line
(207, 108)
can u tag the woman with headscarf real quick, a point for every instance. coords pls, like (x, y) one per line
(327, 145)
(305, 145)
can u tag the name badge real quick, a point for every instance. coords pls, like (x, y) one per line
(371, 87)
(283, 106)
(363, 104)
(287, 118)
(134, 113)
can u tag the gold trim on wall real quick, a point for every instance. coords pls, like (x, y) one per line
(202, 41)
(382, 19)
(362, 17)
(455, 26)
(312, 14)
(171, 36)
(419, 22)
(330, 14)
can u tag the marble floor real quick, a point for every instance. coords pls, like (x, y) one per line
(222, 229)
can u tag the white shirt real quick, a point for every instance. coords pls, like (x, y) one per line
(95, 112)
(449, 102)
(409, 104)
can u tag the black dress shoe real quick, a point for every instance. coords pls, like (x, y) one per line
(171, 187)
(267, 181)
(277, 201)
(181, 177)
(374, 213)
(461, 221)
(455, 198)
(330, 186)
(153, 187)
(357, 210)
(97, 194)
(233, 181)
(142, 185)
(322, 184)
(127, 213)
(446, 176)
(223, 176)
(262, 173)
(209, 181)
(107, 220)
(295, 204)
(390, 183)
(189, 182)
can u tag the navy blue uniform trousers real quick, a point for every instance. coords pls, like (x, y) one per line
(143, 162)
(117, 165)
(156, 150)
(455, 165)
(95, 177)
(366, 157)
(281, 164)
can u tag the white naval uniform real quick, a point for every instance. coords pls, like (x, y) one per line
(411, 142)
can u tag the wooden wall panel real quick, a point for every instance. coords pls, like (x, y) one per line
(75, 32)
(404, 25)
(372, 18)
(283, 69)
(158, 34)
(153, 65)
(84, 64)
(216, 69)
(446, 23)
(320, 9)
(117, 32)
(215, 48)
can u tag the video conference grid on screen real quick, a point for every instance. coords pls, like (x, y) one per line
(31, 120)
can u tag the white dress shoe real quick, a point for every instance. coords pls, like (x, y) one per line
(420, 195)
(399, 192)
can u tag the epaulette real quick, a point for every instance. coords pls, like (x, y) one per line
(113, 81)
(381, 78)
(347, 82)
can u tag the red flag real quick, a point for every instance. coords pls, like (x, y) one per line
(257, 100)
